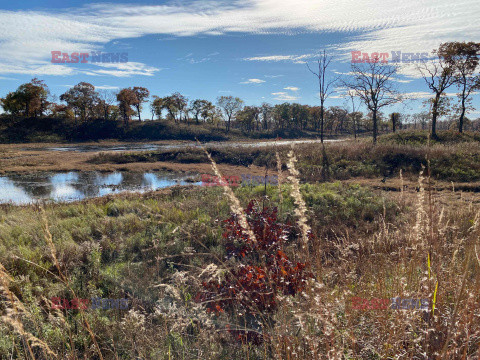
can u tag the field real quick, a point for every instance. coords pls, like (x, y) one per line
(300, 271)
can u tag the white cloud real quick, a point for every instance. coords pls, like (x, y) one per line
(124, 69)
(253, 81)
(291, 88)
(106, 87)
(424, 95)
(283, 96)
(27, 37)
(298, 59)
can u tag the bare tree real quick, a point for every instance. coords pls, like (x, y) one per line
(372, 83)
(325, 85)
(439, 76)
(107, 100)
(353, 114)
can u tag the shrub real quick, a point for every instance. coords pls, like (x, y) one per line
(259, 271)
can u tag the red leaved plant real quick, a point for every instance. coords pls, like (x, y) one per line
(259, 272)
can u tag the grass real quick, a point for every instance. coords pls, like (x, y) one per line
(152, 248)
(419, 137)
(157, 248)
(126, 246)
(339, 161)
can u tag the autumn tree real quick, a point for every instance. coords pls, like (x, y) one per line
(81, 98)
(126, 99)
(281, 115)
(157, 106)
(463, 57)
(197, 107)
(208, 111)
(12, 103)
(248, 117)
(176, 105)
(230, 106)
(61, 111)
(30, 99)
(314, 113)
(142, 95)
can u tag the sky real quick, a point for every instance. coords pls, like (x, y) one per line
(257, 50)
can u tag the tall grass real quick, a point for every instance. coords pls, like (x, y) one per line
(158, 248)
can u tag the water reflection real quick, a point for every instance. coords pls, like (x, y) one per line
(71, 186)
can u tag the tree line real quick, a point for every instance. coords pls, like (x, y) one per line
(370, 83)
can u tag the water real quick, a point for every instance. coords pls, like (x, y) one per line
(151, 147)
(22, 189)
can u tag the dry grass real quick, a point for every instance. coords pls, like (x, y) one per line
(420, 244)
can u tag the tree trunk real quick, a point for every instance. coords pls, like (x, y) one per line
(139, 116)
(394, 123)
(462, 114)
(321, 122)
(375, 130)
(434, 116)
(354, 128)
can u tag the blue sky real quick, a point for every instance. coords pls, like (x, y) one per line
(254, 49)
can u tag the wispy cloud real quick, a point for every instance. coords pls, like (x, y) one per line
(283, 96)
(275, 58)
(27, 37)
(291, 88)
(106, 87)
(125, 69)
(415, 95)
(253, 81)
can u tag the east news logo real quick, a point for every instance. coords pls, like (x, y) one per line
(59, 57)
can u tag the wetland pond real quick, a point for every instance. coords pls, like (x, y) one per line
(21, 189)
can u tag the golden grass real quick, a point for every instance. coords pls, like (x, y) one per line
(427, 252)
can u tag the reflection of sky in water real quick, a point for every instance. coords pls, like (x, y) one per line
(109, 179)
(64, 178)
(153, 182)
(63, 187)
(65, 192)
(11, 193)
(71, 186)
